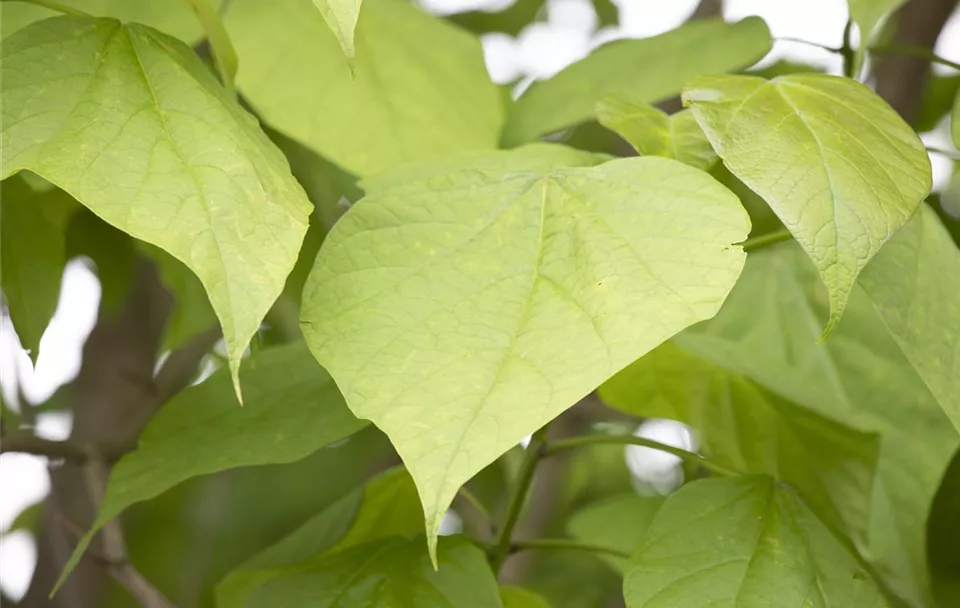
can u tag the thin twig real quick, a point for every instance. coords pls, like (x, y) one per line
(576, 442)
(66, 450)
(913, 50)
(758, 242)
(470, 498)
(565, 544)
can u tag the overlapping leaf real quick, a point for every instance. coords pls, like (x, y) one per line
(292, 409)
(743, 542)
(618, 523)
(745, 427)
(646, 71)
(767, 330)
(134, 126)
(390, 572)
(341, 17)
(652, 132)
(868, 14)
(461, 307)
(840, 167)
(32, 256)
(421, 89)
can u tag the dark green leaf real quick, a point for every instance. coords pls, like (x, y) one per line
(617, 523)
(518, 597)
(943, 537)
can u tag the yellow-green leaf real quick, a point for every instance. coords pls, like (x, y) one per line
(341, 17)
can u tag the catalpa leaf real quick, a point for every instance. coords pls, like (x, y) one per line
(32, 256)
(341, 17)
(292, 409)
(389, 572)
(743, 542)
(646, 71)
(461, 307)
(653, 132)
(422, 89)
(839, 167)
(132, 124)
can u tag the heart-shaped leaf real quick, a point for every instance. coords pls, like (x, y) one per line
(462, 306)
(133, 125)
(839, 167)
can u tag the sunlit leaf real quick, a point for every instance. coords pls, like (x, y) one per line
(421, 89)
(743, 542)
(341, 17)
(452, 294)
(32, 256)
(135, 127)
(292, 409)
(839, 166)
(652, 132)
(617, 523)
(868, 15)
(767, 330)
(386, 506)
(747, 428)
(389, 572)
(645, 71)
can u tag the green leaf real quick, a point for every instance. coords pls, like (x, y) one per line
(645, 71)
(437, 301)
(914, 284)
(223, 52)
(943, 537)
(511, 20)
(868, 14)
(173, 18)
(135, 127)
(743, 426)
(767, 331)
(839, 166)
(32, 256)
(743, 542)
(422, 90)
(518, 597)
(652, 132)
(386, 506)
(955, 122)
(389, 572)
(617, 523)
(292, 409)
(341, 17)
(192, 313)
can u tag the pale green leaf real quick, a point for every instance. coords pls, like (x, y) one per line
(914, 284)
(390, 572)
(868, 14)
(838, 165)
(618, 523)
(341, 17)
(462, 308)
(518, 597)
(135, 127)
(645, 71)
(292, 409)
(743, 426)
(386, 506)
(172, 17)
(421, 91)
(743, 542)
(32, 256)
(652, 132)
(767, 330)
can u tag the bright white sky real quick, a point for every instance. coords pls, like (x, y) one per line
(538, 52)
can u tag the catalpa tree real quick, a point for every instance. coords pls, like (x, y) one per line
(437, 302)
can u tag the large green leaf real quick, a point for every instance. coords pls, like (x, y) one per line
(767, 330)
(386, 506)
(32, 256)
(292, 409)
(617, 523)
(745, 427)
(839, 166)
(173, 18)
(135, 127)
(914, 284)
(394, 572)
(652, 132)
(646, 71)
(743, 542)
(461, 308)
(943, 537)
(421, 89)
(341, 17)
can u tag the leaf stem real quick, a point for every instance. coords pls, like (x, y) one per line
(565, 544)
(471, 499)
(536, 450)
(914, 51)
(576, 442)
(758, 242)
(55, 6)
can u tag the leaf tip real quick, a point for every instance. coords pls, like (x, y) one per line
(73, 561)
